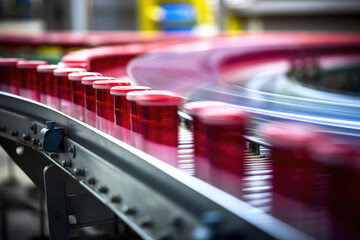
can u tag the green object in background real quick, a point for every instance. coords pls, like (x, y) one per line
(51, 54)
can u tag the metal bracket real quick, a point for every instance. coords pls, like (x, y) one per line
(51, 138)
(65, 198)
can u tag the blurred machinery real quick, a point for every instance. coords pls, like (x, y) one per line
(205, 16)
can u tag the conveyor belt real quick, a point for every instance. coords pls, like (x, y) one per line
(155, 199)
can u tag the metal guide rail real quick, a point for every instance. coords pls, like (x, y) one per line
(156, 200)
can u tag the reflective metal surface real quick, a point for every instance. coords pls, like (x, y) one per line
(135, 186)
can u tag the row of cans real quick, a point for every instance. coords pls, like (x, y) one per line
(308, 164)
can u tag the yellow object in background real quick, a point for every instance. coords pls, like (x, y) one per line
(150, 13)
(50, 52)
(233, 22)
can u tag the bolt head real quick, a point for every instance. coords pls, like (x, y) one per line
(91, 180)
(72, 151)
(79, 171)
(115, 199)
(103, 189)
(26, 137)
(64, 163)
(129, 210)
(13, 133)
(33, 128)
(176, 220)
(145, 221)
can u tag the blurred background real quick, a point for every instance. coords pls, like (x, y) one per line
(206, 16)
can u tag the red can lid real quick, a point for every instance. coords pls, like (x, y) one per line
(131, 96)
(62, 64)
(91, 80)
(193, 108)
(77, 76)
(224, 115)
(76, 64)
(335, 153)
(123, 90)
(47, 68)
(30, 64)
(9, 61)
(64, 72)
(107, 84)
(289, 135)
(159, 98)
(80, 64)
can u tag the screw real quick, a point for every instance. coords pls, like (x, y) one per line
(103, 189)
(34, 141)
(33, 128)
(26, 137)
(79, 171)
(128, 210)
(66, 163)
(145, 221)
(72, 150)
(115, 199)
(13, 133)
(176, 220)
(91, 180)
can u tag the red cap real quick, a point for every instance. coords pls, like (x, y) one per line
(123, 90)
(107, 84)
(9, 61)
(335, 153)
(224, 115)
(47, 68)
(193, 108)
(30, 64)
(289, 135)
(62, 64)
(76, 64)
(131, 96)
(77, 76)
(64, 72)
(159, 98)
(91, 80)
